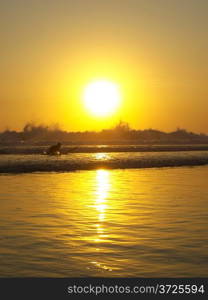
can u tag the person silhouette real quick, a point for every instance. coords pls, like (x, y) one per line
(54, 149)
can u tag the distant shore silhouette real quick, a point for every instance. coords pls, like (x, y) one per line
(120, 134)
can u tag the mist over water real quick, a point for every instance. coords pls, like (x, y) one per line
(133, 222)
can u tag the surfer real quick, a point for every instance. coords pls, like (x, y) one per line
(54, 149)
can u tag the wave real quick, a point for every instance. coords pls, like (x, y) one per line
(34, 149)
(74, 162)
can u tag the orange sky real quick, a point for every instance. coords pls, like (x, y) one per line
(156, 51)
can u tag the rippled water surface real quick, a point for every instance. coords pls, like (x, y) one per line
(133, 222)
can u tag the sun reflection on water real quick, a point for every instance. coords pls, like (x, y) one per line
(101, 156)
(102, 189)
(101, 205)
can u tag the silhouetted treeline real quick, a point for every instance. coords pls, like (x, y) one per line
(120, 134)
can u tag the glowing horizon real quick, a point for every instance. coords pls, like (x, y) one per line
(154, 50)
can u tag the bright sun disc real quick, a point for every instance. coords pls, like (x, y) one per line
(102, 97)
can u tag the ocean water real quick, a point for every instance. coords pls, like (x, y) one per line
(109, 219)
(27, 163)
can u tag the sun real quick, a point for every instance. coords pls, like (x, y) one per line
(102, 98)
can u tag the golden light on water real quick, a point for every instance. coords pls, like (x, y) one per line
(103, 186)
(103, 156)
(102, 190)
(102, 98)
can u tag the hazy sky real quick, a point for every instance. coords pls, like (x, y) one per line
(156, 50)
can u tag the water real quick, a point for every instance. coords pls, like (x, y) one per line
(147, 222)
(19, 163)
(40, 149)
